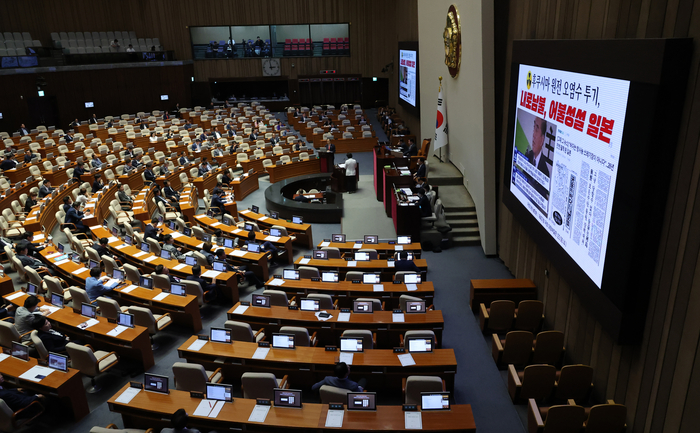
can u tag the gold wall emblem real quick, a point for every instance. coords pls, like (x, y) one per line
(452, 37)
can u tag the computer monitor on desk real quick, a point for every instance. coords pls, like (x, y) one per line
(362, 401)
(220, 335)
(190, 260)
(146, 282)
(20, 351)
(415, 306)
(370, 278)
(351, 344)
(361, 257)
(435, 400)
(253, 248)
(58, 362)
(307, 304)
(118, 274)
(371, 239)
(260, 301)
(57, 300)
(276, 232)
(297, 220)
(178, 289)
(412, 278)
(219, 392)
(219, 266)
(329, 277)
(403, 240)
(165, 254)
(320, 255)
(290, 274)
(283, 341)
(88, 310)
(155, 383)
(338, 238)
(362, 306)
(274, 215)
(255, 209)
(228, 243)
(287, 398)
(32, 289)
(419, 345)
(126, 319)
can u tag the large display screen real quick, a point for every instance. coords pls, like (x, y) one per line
(408, 64)
(566, 154)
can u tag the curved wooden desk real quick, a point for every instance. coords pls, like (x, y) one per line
(302, 232)
(341, 265)
(293, 169)
(382, 248)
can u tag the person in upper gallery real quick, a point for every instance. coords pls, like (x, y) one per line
(150, 231)
(253, 279)
(23, 130)
(18, 399)
(45, 189)
(53, 340)
(125, 201)
(97, 184)
(351, 173)
(94, 284)
(93, 119)
(130, 49)
(74, 123)
(8, 163)
(340, 379)
(27, 156)
(30, 202)
(412, 149)
(420, 170)
(534, 155)
(75, 217)
(179, 422)
(78, 171)
(101, 248)
(403, 264)
(424, 203)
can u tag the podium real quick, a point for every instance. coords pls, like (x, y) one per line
(327, 160)
(339, 181)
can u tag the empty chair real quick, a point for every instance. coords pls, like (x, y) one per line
(277, 297)
(8, 334)
(261, 385)
(549, 348)
(498, 317)
(333, 252)
(353, 276)
(325, 301)
(515, 349)
(528, 315)
(301, 335)
(132, 273)
(91, 363)
(369, 340)
(564, 418)
(241, 331)
(154, 322)
(109, 308)
(413, 386)
(536, 381)
(308, 272)
(606, 418)
(193, 377)
(11, 421)
(574, 382)
(377, 305)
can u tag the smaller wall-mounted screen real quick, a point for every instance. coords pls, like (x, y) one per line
(89, 104)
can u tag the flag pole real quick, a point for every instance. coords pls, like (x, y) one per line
(439, 90)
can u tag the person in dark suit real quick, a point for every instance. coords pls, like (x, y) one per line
(424, 203)
(9, 163)
(403, 264)
(150, 231)
(31, 202)
(27, 156)
(225, 179)
(148, 173)
(196, 146)
(93, 119)
(169, 192)
(45, 189)
(158, 197)
(22, 253)
(203, 136)
(53, 340)
(220, 255)
(17, 399)
(183, 158)
(95, 161)
(74, 123)
(67, 138)
(266, 246)
(75, 217)
(204, 167)
(78, 171)
(33, 250)
(23, 130)
(420, 171)
(534, 155)
(210, 292)
(274, 141)
(101, 248)
(412, 149)
(253, 135)
(215, 133)
(218, 202)
(97, 184)
(187, 125)
(67, 203)
(330, 150)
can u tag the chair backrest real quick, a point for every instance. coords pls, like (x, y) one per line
(308, 272)
(161, 281)
(240, 331)
(78, 296)
(110, 264)
(8, 334)
(538, 381)
(353, 276)
(39, 345)
(549, 346)
(420, 333)
(517, 348)
(258, 385)
(567, 418)
(417, 384)
(195, 289)
(155, 246)
(301, 335)
(529, 315)
(403, 299)
(501, 315)
(7, 419)
(365, 334)
(606, 418)
(92, 254)
(331, 394)
(372, 253)
(325, 300)
(333, 252)
(190, 377)
(201, 259)
(376, 303)
(83, 359)
(144, 317)
(132, 273)
(277, 297)
(575, 382)
(109, 308)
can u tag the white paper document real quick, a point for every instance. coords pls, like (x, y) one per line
(325, 244)
(150, 259)
(237, 253)
(322, 319)
(79, 271)
(244, 210)
(335, 418)
(343, 317)
(352, 264)
(411, 287)
(215, 412)
(204, 408)
(346, 357)
(36, 373)
(304, 261)
(240, 309)
(17, 294)
(262, 218)
(118, 330)
(259, 413)
(128, 395)
(50, 308)
(128, 289)
(397, 317)
(160, 296)
(413, 421)
(176, 235)
(88, 323)
(276, 282)
(211, 274)
(398, 247)
(390, 263)
(140, 253)
(236, 231)
(51, 256)
(378, 288)
(218, 223)
(180, 266)
(198, 344)
(406, 360)
(3, 356)
(261, 352)
(112, 239)
(122, 246)
(95, 227)
(62, 262)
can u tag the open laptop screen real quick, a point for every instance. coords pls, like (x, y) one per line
(415, 307)
(155, 383)
(435, 401)
(329, 277)
(362, 306)
(88, 310)
(403, 240)
(362, 257)
(362, 401)
(20, 351)
(126, 319)
(371, 239)
(219, 391)
(338, 238)
(260, 300)
(310, 304)
(58, 362)
(369, 278)
(320, 254)
(287, 397)
(290, 274)
(412, 278)
(220, 335)
(283, 341)
(351, 344)
(420, 345)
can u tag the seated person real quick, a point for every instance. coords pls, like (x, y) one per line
(125, 200)
(210, 290)
(24, 316)
(97, 184)
(32, 248)
(78, 171)
(340, 379)
(169, 245)
(158, 197)
(95, 161)
(217, 201)
(179, 421)
(82, 197)
(31, 202)
(420, 170)
(170, 193)
(403, 264)
(162, 270)
(17, 399)
(101, 248)
(45, 189)
(204, 167)
(150, 231)
(224, 178)
(53, 340)
(9, 163)
(267, 246)
(241, 270)
(75, 217)
(22, 253)
(27, 156)
(424, 203)
(148, 173)
(94, 286)
(183, 158)
(206, 251)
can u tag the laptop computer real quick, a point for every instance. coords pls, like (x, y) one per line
(329, 277)
(320, 254)
(415, 306)
(362, 306)
(306, 304)
(287, 398)
(219, 392)
(283, 341)
(371, 239)
(403, 240)
(155, 383)
(370, 278)
(58, 362)
(362, 401)
(220, 335)
(419, 345)
(260, 301)
(351, 344)
(290, 274)
(435, 400)
(338, 238)
(126, 319)
(88, 310)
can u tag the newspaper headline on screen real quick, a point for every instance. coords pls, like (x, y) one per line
(407, 76)
(567, 141)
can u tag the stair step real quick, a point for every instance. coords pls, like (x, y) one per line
(465, 231)
(466, 241)
(462, 223)
(460, 214)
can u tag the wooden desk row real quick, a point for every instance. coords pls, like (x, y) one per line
(150, 409)
(293, 169)
(343, 266)
(383, 248)
(302, 232)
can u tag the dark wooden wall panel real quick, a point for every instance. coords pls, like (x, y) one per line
(659, 379)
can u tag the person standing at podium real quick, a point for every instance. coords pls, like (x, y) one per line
(330, 149)
(350, 174)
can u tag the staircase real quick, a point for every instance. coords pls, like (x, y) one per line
(465, 228)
